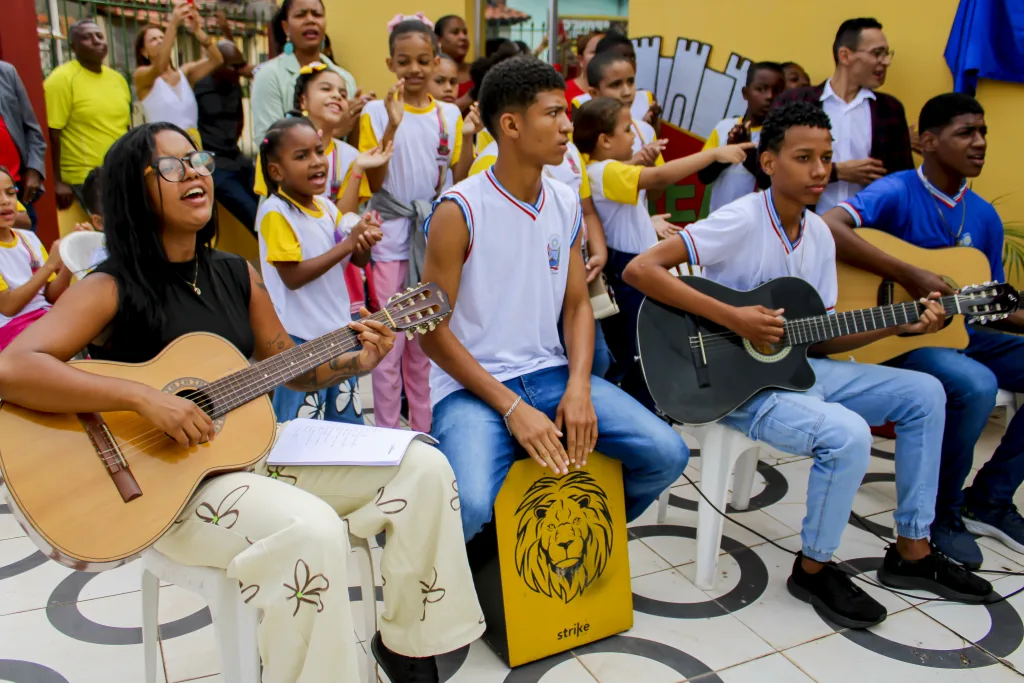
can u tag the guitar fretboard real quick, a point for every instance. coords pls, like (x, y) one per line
(820, 328)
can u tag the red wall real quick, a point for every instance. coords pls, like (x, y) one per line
(19, 45)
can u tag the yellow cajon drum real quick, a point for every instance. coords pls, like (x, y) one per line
(561, 575)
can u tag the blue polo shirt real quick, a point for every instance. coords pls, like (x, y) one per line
(906, 205)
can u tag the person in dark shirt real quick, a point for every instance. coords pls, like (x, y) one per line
(221, 119)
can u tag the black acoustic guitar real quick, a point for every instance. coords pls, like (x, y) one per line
(698, 371)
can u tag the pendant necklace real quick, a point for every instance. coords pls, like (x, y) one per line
(195, 279)
(963, 217)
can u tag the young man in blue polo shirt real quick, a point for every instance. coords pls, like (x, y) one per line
(932, 207)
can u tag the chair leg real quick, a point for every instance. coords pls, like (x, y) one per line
(663, 505)
(715, 474)
(743, 480)
(248, 641)
(365, 559)
(223, 602)
(150, 622)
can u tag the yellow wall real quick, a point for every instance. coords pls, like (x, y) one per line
(802, 31)
(359, 33)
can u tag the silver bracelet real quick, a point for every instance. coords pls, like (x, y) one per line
(505, 417)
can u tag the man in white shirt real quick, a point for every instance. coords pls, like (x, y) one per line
(869, 128)
(505, 246)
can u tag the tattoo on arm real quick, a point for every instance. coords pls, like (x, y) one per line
(336, 371)
(259, 283)
(276, 344)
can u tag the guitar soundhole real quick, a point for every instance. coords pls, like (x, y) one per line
(767, 353)
(191, 389)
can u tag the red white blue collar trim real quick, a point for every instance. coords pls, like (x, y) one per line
(939, 194)
(531, 210)
(773, 217)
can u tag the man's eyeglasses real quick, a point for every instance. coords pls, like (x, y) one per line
(172, 169)
(880, 53)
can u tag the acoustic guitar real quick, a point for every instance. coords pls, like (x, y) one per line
(698, 371)
(861, 289)
(95, 490)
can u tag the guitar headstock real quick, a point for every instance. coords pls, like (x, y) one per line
(987, 302)
(418, 309)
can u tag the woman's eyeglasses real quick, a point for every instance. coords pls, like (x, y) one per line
(172, 169)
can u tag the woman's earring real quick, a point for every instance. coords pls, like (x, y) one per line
(288, 47)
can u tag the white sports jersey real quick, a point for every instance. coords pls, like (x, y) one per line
(427, 143)
(571, 171)
(622, 206)
(743, 245)
(19, 260)
(288, 233)
(513, 279)
(641, 103)
(735, 181)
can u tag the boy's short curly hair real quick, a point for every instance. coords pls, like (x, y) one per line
(514, 85)
(790, 115)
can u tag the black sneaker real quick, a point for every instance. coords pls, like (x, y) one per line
(834, 595)
(935, 573)
(402, 669)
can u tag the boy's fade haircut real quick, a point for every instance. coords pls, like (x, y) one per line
(613, 39)
(595, 118)
(91, 192)
(410, 26)
(764, 66)
(599, 63)
(939, 111)
(789, 115)
(513, 85)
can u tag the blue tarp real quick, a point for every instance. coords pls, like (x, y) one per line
(986, 41)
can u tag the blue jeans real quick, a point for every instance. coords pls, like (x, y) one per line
(831, 423)
(481, 451)
(233, 189)
(602, 356)
(971, 378)
(335, 404)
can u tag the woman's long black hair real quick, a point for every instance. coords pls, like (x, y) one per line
(132, 224)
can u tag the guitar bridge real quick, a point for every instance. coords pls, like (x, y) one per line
(698, 355)
(110, 453)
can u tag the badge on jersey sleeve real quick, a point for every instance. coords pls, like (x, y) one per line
(554, 253)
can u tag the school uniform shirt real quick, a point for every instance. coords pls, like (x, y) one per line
(571, 171)
(19, 259)
(641, 104)
(513, 279)
(743, 245)
(291, 233)
(735, 181)
(908, 206)
(427, 143)
(622, 206)
(643, 134)
(340, 157)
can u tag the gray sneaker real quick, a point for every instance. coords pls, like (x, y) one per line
(1003, 524)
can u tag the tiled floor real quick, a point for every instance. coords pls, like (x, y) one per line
(60, 626)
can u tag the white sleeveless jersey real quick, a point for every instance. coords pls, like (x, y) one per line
(514, 276)
(320, 306)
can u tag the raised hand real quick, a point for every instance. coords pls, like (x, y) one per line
(394, 102)
(739, 133)
(471, 122)
(375, 158)
(366, 233)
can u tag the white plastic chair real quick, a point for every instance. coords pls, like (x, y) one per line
(234, 622)
(723, 450)
(1010, 401)
(83, 251)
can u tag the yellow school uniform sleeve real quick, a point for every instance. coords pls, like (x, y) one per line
(3, 284)
(57, 91)
(19, 207)
(282, 244)
(585, 183)
(483, 138)
(484, 162)
(259, 184)
(367, 136)
(621, 182)
(712, 142)
(457, 150)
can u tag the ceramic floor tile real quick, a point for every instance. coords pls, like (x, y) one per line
(53, 656)
(27, 578)
(643, 560)
(9, 528)
(617, 667)
(773, 668)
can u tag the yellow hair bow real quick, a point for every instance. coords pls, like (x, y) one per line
(312, 67)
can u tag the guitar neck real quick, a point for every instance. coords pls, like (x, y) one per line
(261, 378)
(820, 328)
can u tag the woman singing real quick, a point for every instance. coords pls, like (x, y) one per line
(162, 281)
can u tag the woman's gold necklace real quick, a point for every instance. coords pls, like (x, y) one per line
(195, 279)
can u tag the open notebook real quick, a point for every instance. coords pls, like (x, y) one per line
(316, 442)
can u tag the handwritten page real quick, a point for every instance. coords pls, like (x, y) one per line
(307, 442)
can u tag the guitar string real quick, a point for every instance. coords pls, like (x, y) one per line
(235, 384)
(133, 446)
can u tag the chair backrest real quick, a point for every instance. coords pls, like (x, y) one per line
(83, 251)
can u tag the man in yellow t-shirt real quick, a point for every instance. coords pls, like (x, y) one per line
(88, 106)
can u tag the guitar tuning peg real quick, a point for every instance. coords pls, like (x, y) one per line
(409, 335)
(431, 325)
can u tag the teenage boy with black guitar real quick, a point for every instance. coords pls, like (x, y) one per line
(769, 235)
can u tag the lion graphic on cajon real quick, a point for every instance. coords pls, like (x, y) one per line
(564, 535)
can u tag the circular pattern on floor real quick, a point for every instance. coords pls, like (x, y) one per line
(1003, 638)
(64, 614)
(752, 582)
(687, 666)
(17, 671)
(775, 489)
